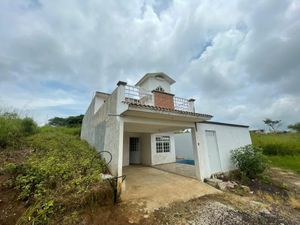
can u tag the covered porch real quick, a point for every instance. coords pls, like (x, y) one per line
(150, 142)
(178, 168)
(151, 188)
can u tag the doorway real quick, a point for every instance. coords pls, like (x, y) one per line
(134, 150)
(213, 151)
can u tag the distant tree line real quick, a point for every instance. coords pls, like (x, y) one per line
(274, 125)
(295, 127)
(71, 121)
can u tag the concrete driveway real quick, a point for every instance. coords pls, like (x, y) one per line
(152, 188)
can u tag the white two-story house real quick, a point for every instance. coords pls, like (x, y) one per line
(136, 124)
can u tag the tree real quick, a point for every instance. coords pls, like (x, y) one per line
(272, 124)
(295, 127)
(71, 121)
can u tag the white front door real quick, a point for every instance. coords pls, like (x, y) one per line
(134, 150)
(213, 151)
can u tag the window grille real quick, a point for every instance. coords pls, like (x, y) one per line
(162, 144)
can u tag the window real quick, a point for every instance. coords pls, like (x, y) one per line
(159, 88)
(162, 144)
(134, 144)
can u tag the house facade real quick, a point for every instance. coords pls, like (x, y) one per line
(136, 124)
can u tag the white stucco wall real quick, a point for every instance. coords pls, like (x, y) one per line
(152, 83)
(103, 128)
(184, 146)
(126, 149)
(228, 138)
(162, 157)
(146, 149)
(98, 103)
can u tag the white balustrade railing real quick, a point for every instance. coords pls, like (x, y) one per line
(141, 96)
(138, 95)
(181, 104)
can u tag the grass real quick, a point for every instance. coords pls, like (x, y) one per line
(286, 162)
(278, 144)
(282, 150)
(59, 175)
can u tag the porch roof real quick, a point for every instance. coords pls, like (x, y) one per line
(156, 108)
(174, 112)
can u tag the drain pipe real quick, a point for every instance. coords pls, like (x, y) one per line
(113, 180)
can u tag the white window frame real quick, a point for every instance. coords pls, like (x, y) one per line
(163, 144)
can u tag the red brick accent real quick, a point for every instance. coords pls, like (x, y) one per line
(163, 99)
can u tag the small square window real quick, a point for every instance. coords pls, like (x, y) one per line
(162, 144)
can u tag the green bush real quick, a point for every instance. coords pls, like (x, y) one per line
(28, 126)
(14, 129)
(249, 160)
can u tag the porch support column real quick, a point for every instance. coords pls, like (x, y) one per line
(120, 158)
(199, 154)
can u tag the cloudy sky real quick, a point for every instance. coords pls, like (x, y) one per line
(239, 60)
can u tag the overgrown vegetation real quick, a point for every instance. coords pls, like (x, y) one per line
(278, 143)
(286, 162)
(249, 160)
(14, 129)
(60, 175)
(282, 149)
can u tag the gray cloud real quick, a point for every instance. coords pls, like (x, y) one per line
(238, 59)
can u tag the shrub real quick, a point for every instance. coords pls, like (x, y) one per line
(14, 129)
(10, 130)
(28, 126)
(249, 160)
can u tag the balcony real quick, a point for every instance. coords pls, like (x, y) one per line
(141, 96)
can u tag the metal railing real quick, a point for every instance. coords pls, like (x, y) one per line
(181, 104)
(137, 95)
(141, 96)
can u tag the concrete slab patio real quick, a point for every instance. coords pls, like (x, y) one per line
(178, 168)
(153, 188)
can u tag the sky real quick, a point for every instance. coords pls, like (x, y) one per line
(239, 60)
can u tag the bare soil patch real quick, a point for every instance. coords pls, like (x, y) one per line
(10, 207)
(285, 176)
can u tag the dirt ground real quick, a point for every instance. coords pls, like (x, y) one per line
(265, 204)
(285, 176)
(220, 209)
(10, 208)
(257, 207)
